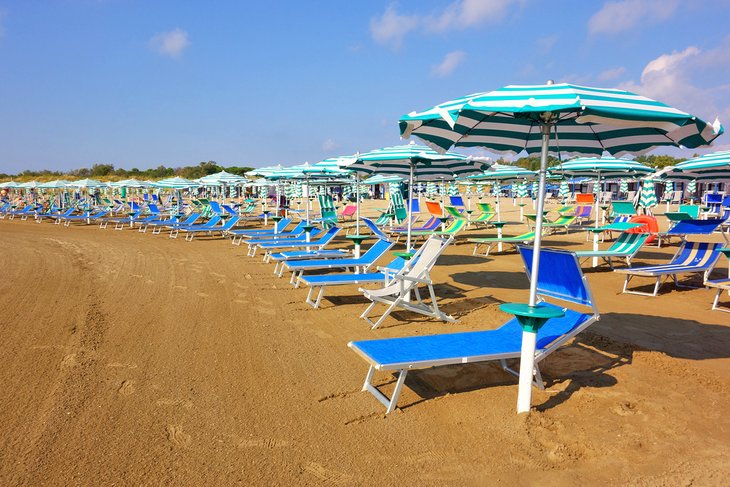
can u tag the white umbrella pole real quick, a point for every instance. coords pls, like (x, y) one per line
(527, 355)
(410, 205)
(357, 203)
(595, 203)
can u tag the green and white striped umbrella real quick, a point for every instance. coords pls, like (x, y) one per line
(56, 184)
(564, 190)
(623, 187)
(452, 190)
(562, 119)
(692, 187)
(29, 185)
(504, 173)
(707, 168)
(668, 186)
(431, 189)
(10, 184)
(582, 121)
(176, 183)
(382, 179)
(480, 189)
(131, 183)
(521, 190)
(535, 189)
(87, 184)
(648, 197)
(222, 178)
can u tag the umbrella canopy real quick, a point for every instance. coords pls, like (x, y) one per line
(416, 162)
(389, 178)
(582, 120)
(222, 178)
(521, 191)
(131, 183)
(87, 183)
(29, 185)
(176, 183)
(692, 187)
(648, 197)
(10, 184)
(563, 119)
(707, 168)
(55, 184)
(623, 187)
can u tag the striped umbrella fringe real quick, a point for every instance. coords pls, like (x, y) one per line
(692, 187)
(564, 190)
(623, 187)
(591, 121)
(521, 191)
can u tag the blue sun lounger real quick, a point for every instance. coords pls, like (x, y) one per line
(191, 231)
(174, 231)
(288, 237)
(170, 223)
(684, 228)
(691, 258)
(722, 284)
(400, 355)
(87, 217)
(364, 263)
(320, 282)
(237, 236)
(318, 244)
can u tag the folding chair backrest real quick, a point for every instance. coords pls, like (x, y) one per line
(485, 207)
(697, 254)
(229, 210)
(282, 224)
(374, 228)
(623, 208)
(434, 208)
(191, 219)
(455, 226)
(454, 212)
(377, 250)
(215, 207)
(696, 227)
(560, 276)
(627, 241)
(230, 223)
(583, 211)
(457, 201)
(691, 210)
(415, 206)
(585, 198)
(349, 210)
(426, 256)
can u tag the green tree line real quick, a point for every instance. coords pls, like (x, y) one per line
(107, 172)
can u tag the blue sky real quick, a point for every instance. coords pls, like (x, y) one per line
(140, 83)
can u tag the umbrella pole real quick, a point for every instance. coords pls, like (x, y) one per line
(357, 203)
(410, 209)
(595, 203)
(529, 338)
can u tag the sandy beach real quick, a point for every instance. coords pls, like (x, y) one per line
(133, 359)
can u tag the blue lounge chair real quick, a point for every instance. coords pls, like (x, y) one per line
(175, 230)
(691, 258)
(288, 237)
(399, 355)
(172, 223)
(87, 217)
(364, 263)
(684, 228)
(375, 229)
(722, 284)
(238, 235)
(191, 231)
(55, 215)
(319, 244)
(319, 283)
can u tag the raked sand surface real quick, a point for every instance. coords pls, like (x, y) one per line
(133, 359)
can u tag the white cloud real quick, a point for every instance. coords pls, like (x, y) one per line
(611, 74)
(391, 28)
(623, 15)
(679, 79)
(450, 62)
(328, 145)
(171, 43)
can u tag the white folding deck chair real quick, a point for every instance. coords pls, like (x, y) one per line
(404, 285)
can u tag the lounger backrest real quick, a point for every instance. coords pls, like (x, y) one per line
(153, 208)
(230, 210)
(485, 207)
(415, 206)
(585, 198)
(349, 210)
(628, 241)
(230, 223)
(583, 211)
(191, 219)
(456, 226)
(456, 201)
(213, 221)
(377, 250)
(215, 207)
(560, 276)
(454, 212)
(374, 228)
(691, 210)
(623, 208)
(696, 227)
(697, 254)
(327, 237)
(282, 224)
(434, 208)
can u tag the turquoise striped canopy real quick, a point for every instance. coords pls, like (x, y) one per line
(648, 197)
(605, 167)
(131, 183)
(56, 184)
(709, 167)
(427, 163)
(583, 120)
(521, 190)
(222, 178)
(692, 187)
(176, 183)
(564, 190)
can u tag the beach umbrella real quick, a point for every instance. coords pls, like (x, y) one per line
(175, 183)
(564, 190)
(416, 162)
(623, 187)
(692, 188)
(11, 184)
(600, 168)
(222, 178)
(521, 190)
(131, 183)
(87, 184)
(55, 184)
(562, 119)
(431, 189)
(648, 198)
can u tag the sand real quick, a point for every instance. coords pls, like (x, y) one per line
(133, 359)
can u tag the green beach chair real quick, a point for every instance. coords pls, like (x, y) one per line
(625, 247)
(492, 241)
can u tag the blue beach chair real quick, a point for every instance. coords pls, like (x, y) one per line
(319, 244)
(364, 263)
(319, 283)
(691, 258)
(289, 237)
(569, 286)
(238, 235)
(684, 228)
(191, 231)
(175, 230)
